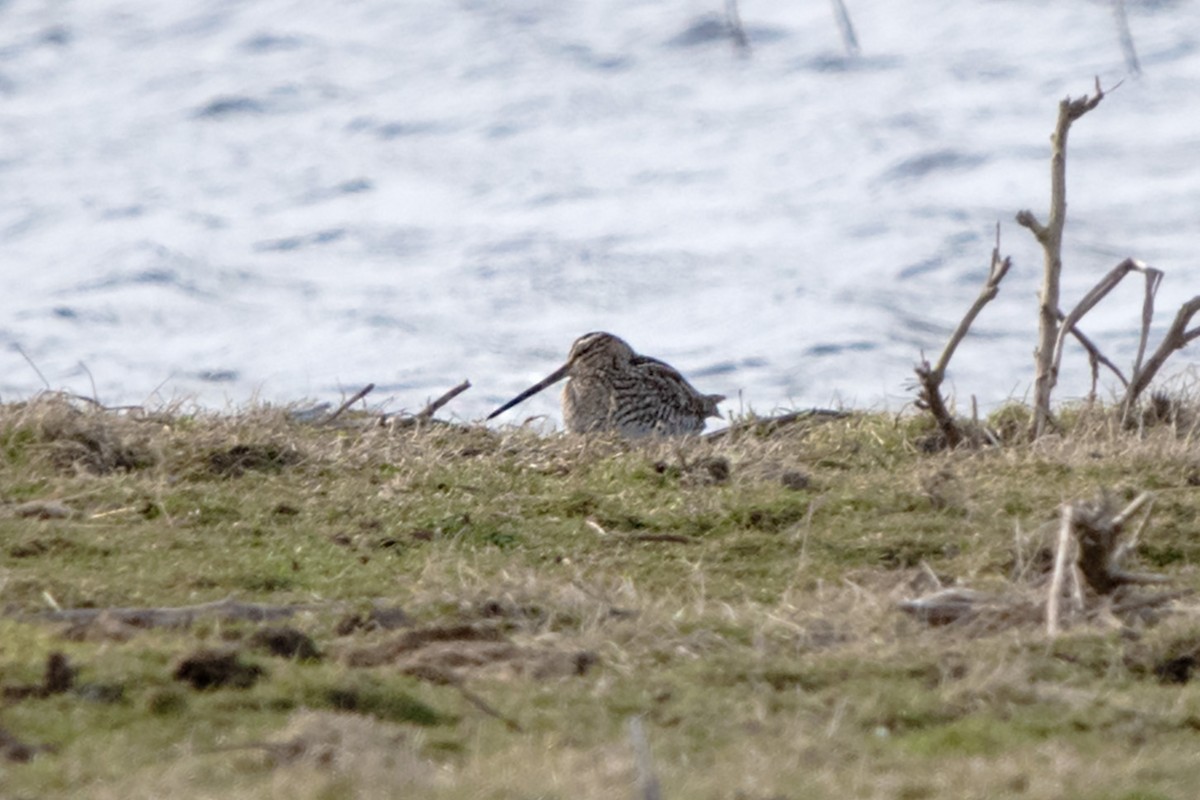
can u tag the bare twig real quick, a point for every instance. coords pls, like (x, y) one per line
(429, 410)
(1050, 237)
(1177, 337)
(1097, 293)
(845, 27)
(354, 398)
(930, 378)
(1126, 38)
(1096, 357)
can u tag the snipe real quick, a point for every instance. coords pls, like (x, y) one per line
(612, 388)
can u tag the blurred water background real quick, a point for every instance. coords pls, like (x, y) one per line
(277, 200)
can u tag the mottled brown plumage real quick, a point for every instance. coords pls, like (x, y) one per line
(612, 388)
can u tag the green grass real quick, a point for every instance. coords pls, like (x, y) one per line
(568, 584)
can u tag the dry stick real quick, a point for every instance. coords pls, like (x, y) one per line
(1094, 355)
(846, 27)
(1050, 238)
(429, 410)
(1126, 38)
(931, 379)
(1098, 293)
(1060, 569)
(1177, 337)
(359, 395)
(648, 788)
(741, 43)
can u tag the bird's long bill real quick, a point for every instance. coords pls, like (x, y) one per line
(553, 377)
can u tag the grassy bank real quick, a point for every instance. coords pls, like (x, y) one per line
(478, 614)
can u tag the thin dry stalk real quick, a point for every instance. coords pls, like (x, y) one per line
(1050, 237)
(32, 365)
(930, 379)
(845, 28)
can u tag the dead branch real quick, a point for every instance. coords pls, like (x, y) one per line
(1095, 357)
(428, 411)
(354, 398)
(1177, 337)
(930, 379)
(845, 27)
(1050, 238)
(1098, 293)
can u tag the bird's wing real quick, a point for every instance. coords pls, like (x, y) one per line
(665, 375)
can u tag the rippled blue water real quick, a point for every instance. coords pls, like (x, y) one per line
(286, 200)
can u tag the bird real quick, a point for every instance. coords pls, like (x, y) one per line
(611, 388)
